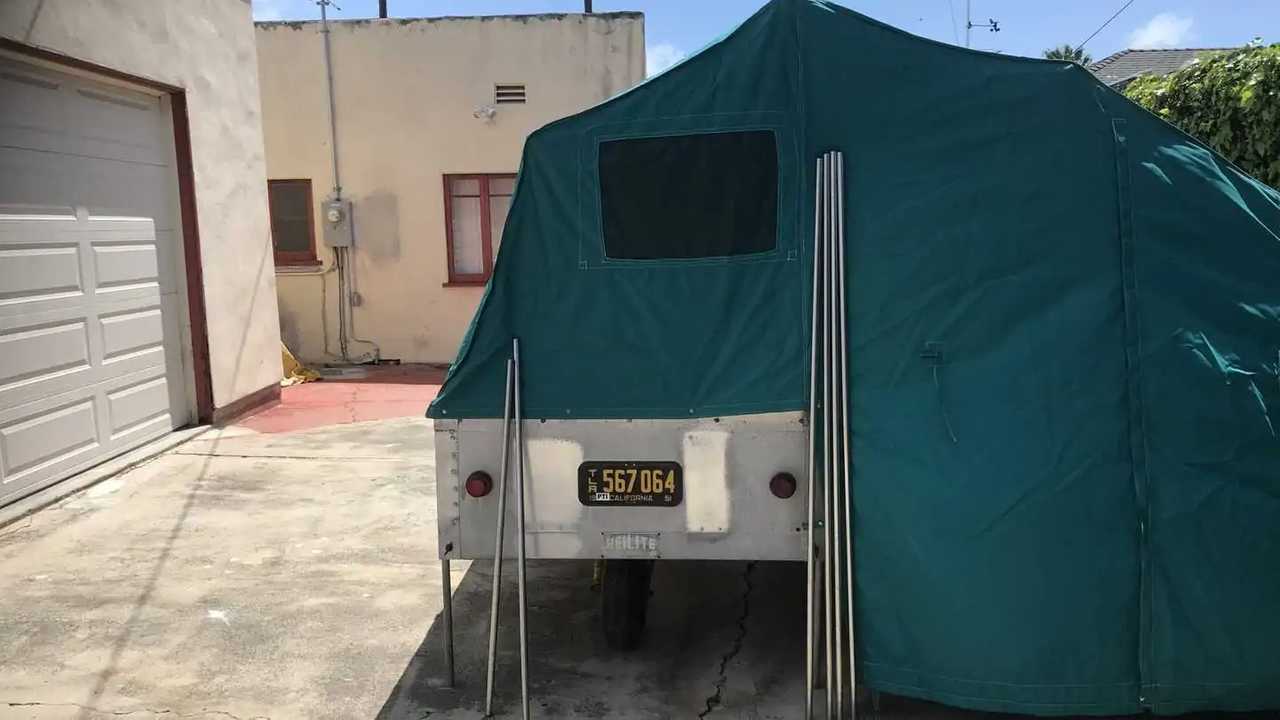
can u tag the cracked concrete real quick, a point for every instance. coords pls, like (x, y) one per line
(713, 701)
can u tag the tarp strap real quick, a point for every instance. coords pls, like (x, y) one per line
(933, 353)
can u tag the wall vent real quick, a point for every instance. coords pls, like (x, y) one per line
(510, 93)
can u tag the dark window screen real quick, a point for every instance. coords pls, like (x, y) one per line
(290, 203)
(689, 196)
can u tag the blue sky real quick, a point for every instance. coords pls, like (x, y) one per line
(676, 28)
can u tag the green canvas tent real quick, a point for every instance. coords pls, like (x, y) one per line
(1064, 354)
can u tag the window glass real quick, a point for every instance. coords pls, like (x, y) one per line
(689, 196)
(464, 186)
(290, 206)
(502, 185)
(498, 207)
(468, 249)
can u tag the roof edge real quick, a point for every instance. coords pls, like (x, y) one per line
(612, 15)
(1104, 62)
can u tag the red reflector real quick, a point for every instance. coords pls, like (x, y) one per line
(479, 484)
(783, 485)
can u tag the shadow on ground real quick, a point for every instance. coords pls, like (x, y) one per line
(698, 623)
(693, 628)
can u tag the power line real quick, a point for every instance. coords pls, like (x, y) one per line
(1104, 25)
(955, 34)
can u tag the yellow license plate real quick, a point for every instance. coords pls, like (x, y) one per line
(630, 484)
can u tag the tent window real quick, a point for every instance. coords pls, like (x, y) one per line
(689, 196)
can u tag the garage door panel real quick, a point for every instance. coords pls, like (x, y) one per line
(119, 265)
(69, 349)
(90, 268)
(84, 425)
(32, 354)
(50, 309)
(39, 270)
(31, 443)
(113, 122)
(132, 333)
(125, 125)
(105, 187)
(143, 407)
(28, 107)
(40, 256)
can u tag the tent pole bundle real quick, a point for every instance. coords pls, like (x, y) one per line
(829, 560)
(511, 410)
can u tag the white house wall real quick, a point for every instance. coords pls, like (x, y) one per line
(406, 91)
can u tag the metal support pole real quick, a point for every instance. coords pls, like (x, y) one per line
(844, 435)
(497, 547)
(333, 108)
(520, 574)
(836, 482)
(810, 638)
(827, 565)
(446, 581)
(968, 22)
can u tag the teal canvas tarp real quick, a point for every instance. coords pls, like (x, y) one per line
(1064, 322)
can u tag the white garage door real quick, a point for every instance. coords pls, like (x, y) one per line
(91, 281)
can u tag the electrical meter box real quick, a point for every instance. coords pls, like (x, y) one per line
(336, 216)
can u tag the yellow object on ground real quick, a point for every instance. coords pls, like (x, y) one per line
(294, 371)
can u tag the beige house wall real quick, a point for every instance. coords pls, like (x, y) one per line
(207, 48)
(405, 92)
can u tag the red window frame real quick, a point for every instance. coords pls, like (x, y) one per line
(288, 258)
(486, 234)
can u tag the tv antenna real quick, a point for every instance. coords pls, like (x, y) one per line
(992, 25)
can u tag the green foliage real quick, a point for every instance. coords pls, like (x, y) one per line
(1067, 52)
(1230, 101)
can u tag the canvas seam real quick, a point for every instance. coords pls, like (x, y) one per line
(1136, 426)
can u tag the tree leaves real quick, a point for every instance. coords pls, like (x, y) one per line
(1230, 100)
(1066, 52)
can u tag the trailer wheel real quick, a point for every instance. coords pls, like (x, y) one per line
(624, 602)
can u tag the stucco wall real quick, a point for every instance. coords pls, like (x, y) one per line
(405, 92)
(206, 47)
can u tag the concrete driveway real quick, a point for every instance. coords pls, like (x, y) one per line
(294, 575)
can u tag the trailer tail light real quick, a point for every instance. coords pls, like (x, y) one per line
(479, 484)
(783, 485)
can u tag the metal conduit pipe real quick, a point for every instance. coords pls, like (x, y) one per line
(343, 260)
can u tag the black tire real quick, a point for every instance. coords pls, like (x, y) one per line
(624, 602)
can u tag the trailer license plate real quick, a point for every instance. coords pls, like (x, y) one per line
(630, 484)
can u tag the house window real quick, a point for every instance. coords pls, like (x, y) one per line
(709, 195)
(293, 233)
(475, 211)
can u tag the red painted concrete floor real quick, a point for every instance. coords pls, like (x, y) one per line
(388, 391)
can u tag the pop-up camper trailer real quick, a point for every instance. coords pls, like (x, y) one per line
(1063, 362)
